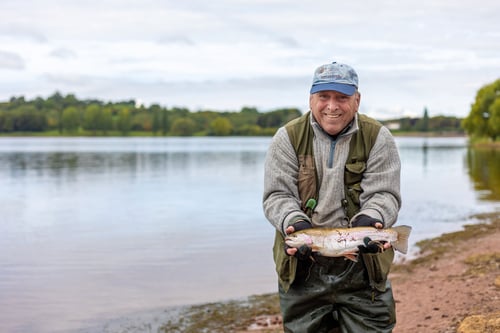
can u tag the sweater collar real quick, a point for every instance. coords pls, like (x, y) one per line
(351, 128)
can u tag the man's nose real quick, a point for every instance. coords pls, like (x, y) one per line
(332, 105)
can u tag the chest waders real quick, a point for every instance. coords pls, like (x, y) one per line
(377, 266)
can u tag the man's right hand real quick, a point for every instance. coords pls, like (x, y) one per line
(305, 251)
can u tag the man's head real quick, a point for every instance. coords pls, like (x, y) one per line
(334, 98)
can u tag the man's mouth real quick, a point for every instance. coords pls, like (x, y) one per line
(332, 116)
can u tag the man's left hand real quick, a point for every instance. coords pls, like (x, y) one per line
(367, 221)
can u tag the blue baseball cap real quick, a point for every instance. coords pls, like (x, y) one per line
(335, 76)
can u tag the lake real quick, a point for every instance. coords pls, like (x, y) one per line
(97, 228)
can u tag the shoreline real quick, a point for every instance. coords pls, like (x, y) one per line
(440, 291)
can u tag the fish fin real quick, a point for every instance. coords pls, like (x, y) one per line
(351, 256)
(401, 244)
(315, 248)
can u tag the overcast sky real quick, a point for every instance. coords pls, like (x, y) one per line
(226, 54)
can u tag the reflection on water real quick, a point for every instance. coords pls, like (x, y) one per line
(98, 228)
(484, 170)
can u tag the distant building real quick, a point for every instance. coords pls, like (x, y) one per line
(393, 126)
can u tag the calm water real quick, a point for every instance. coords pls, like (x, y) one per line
(94, 229)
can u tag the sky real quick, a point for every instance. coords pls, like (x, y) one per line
(223, 55)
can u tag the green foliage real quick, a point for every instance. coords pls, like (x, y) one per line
(277, 118)
(221, 126)
(70, 119)
(105, 120)
(71, 116)
(482, 163)
(91, 118)
(424, 122)
(124, 123)
(156, 125)
(437, 124)
(23, 118)
(484, 117)
(183, 127)
(142, 121)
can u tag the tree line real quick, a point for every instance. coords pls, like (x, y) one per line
(483, 120)
(67, 115)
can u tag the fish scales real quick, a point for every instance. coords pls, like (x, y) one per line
(338, 242)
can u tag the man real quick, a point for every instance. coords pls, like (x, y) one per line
(333, 167)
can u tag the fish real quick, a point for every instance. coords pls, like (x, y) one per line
(344, 242)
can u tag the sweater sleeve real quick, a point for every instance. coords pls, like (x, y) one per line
(381, 196)
(281, 200)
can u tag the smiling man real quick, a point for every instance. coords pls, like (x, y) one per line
(335, 168)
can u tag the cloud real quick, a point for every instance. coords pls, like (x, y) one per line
(176, 39)
(18, 32)
(10, 60)
(63, 53)
(224, 54)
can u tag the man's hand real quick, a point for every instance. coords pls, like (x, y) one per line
(367, 221)
(371, 246)
(304, 252)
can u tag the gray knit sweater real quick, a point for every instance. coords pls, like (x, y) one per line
(380, 199)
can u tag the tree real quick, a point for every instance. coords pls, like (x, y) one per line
(28, 118)
(156, 126)
(183, 127)
(91, 118)
(6, 122)
(482, 120)
(424, 124)
(124, 121)
(221, 126)
(105, 120)
(494, 121)
(164, 122)
(277, 118)
(70, 119)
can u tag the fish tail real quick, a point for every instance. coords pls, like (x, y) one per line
(401, 244)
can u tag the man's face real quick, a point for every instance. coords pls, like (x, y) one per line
(333, 110)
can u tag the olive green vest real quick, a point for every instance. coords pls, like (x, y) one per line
(301, 136)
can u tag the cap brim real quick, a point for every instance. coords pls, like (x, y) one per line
(346, 89)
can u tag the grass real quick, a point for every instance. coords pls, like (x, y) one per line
(222, 317)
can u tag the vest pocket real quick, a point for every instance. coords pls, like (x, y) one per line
(352, 178)
(306, 179)
(354, 172)
(377, 266)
